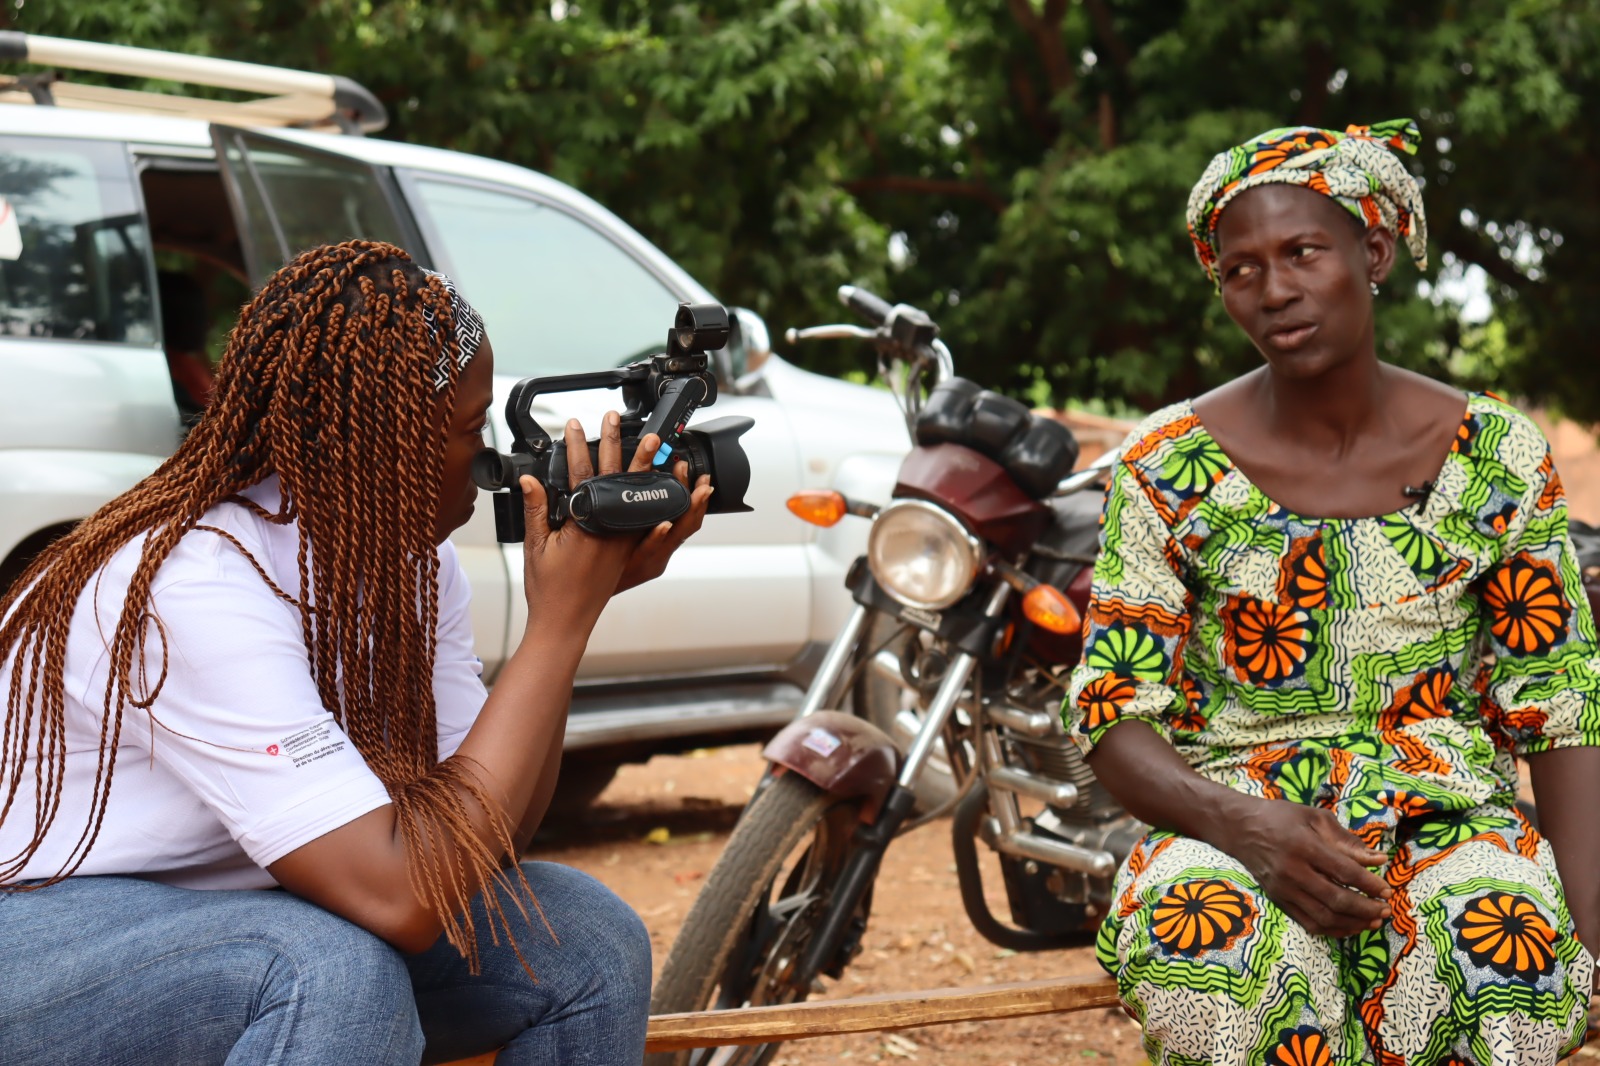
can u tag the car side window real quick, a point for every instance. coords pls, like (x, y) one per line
(556, 294)
(291, 197)
(74, 250)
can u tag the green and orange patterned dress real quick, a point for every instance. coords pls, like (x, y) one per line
(1387, 669)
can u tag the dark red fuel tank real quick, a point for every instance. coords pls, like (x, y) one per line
(976, 490)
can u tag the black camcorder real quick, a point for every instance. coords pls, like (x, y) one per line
(659, 395)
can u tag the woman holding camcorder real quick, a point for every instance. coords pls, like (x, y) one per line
(254, 671)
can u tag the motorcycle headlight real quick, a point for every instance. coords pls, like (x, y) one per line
(921, 555)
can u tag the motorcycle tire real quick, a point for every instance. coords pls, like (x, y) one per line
(767, 892)
(897, 710)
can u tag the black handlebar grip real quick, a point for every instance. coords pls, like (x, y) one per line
(872, 308)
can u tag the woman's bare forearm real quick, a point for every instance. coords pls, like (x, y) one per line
(360, 871)
(544, 790)
(1150, 779)
(1566, 785)
(516, 741)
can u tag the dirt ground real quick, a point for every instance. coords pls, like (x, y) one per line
(655, 833)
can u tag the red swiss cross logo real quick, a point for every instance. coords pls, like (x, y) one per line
(272, 749)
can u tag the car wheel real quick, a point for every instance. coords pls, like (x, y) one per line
(581, 783)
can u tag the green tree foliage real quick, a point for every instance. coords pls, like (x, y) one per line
(1083, 124)
(1030, 158)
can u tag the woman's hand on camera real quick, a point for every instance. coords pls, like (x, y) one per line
(649, 559)
(1310, 865)
(569, 574)
(650, 555)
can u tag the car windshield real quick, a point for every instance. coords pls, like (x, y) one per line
(74, 252)
(556, 295)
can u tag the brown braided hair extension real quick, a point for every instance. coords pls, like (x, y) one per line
(327, 382)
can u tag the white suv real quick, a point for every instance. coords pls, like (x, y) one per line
(96, 189)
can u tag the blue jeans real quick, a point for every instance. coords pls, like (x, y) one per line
(115, 970)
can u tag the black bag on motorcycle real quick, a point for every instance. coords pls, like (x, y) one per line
(1036, 452)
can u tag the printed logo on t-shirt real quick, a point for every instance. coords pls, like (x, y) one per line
(310, 744)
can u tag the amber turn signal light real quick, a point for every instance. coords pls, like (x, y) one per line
(1047, 608)
(820, 507)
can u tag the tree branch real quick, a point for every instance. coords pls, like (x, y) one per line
(1314, 97)
(1046, 34)
(874, 146)
(1106, 33)
(1107, 120)
(970, 190)
(1028, 102)
(1470, 248)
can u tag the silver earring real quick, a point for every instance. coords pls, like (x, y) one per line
(1374, 288)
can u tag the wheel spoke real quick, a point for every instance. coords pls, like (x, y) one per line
(786, 908)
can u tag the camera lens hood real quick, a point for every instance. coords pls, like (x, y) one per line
(714, 448)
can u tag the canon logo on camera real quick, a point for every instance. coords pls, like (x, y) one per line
(642, 495)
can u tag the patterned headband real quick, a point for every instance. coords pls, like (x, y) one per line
(1356, 168)
(469, 331)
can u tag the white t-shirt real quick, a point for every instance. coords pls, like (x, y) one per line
(242, 764)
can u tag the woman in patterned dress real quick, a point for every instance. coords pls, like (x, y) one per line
(1335, 600)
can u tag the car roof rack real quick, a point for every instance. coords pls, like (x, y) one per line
(286, 97)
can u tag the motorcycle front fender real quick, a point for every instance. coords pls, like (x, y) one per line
(839, 753)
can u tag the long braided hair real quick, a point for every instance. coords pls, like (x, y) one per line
(330, 382)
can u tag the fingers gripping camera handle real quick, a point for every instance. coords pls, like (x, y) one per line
(525, 429)
(607, 505)
(679, 400)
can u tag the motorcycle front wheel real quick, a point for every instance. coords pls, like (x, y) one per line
(759, 908)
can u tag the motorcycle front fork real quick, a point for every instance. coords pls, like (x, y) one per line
(870, 841)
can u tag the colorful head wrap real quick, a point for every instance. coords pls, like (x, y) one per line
(1356, 168)
(469, 330)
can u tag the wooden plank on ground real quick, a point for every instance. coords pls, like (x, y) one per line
(898, 1010)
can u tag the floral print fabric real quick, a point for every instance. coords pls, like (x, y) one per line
(1387, 669)
(1356, 168)
(1479, 964)
(1382, 667)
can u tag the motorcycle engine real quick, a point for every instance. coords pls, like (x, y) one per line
(1095, 820)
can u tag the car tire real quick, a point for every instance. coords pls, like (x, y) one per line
(581, 783)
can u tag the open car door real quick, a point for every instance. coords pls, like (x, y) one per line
(287, 197)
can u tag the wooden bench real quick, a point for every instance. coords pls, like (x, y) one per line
(861, 1014)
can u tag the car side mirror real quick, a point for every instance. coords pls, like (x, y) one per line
(749, 344)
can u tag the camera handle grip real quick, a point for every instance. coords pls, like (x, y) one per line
(519, 405)
(679, 400)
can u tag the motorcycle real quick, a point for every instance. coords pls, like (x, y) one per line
(940, 696)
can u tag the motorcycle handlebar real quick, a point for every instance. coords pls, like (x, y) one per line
(834, 332)
(1088, 475)
(872, 308)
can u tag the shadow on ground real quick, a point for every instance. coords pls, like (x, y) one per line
(680, 818)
